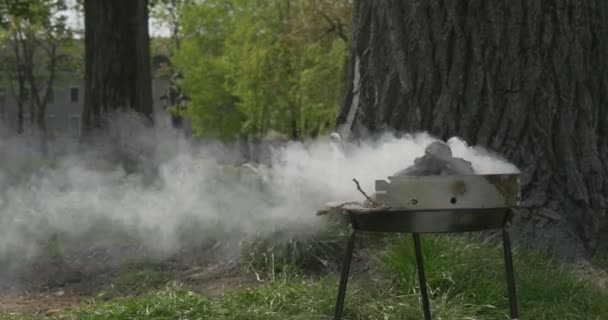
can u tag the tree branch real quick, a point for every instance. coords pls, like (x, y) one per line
(334, 26)
(365, 194)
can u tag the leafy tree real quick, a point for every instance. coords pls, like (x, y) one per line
(167, 14)
(252, 67)
(13, 8)
(37, 53)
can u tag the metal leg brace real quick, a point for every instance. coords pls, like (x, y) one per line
(506, 242)
(344, 276)
(422, 278)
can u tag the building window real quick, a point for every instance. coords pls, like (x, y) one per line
(74, 125)
(74, 95)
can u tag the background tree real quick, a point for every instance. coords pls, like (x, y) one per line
(38, 51)
(167, 14)
(117, 59)
(10, 8)
(525, 79)
(12, 15)
(254, 67)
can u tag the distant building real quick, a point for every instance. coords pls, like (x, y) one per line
(63, 114)
(66, 103)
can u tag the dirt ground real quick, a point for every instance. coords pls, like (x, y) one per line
(597, 273)
(52, 285)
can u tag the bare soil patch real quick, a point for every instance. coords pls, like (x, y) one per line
(51, 285)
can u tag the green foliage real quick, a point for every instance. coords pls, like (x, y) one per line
(162, 305)
(294, 298)
(11, 8)
(251, 67)
(18, 316)
(166, 14)
(472, 273)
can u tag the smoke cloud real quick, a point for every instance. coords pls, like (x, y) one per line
(173, 183)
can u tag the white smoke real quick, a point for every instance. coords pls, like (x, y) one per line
(72, 194)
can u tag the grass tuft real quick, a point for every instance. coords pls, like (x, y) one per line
(277, 252)
(473, 273)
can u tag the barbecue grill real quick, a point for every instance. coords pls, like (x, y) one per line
(436, 204)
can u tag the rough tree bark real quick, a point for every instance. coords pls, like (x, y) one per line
(527, 79)
(117, 60)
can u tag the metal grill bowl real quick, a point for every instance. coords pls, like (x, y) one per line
(424, 204)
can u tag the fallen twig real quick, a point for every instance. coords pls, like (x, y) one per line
(365, 194)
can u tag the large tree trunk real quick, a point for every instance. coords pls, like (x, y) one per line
(527, 79)
(117, 59)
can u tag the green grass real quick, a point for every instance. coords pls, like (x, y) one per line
(139, 281)
(277, 252)
(291, 299)
(473, 273)
(9, 316)
(466, 279)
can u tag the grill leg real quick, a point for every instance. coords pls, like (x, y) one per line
(422, 278)
(344, 276)
(506, 243)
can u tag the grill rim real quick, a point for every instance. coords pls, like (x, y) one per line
(430, 221)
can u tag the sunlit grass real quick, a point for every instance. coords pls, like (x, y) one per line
(295, 298)
(466, 278)
(473, 273)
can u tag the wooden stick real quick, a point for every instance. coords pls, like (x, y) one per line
(365, 194)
